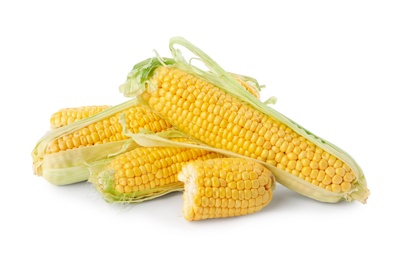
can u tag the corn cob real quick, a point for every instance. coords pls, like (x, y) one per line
(145, 173)
(67, 116)
(67, 154)
(224, 187)
(109, 129)
(219, 112)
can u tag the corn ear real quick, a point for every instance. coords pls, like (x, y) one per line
(71, 166)
(139, 83)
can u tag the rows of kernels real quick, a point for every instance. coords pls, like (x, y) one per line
(228, 187)
(110, 130)
(69, 115)
(145, 168)
(220, 120)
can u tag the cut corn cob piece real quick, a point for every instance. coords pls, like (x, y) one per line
(224, 187)
(67, 116)
(145, 173)
(68, 154)
(220, 113)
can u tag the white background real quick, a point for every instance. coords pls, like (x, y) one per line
(336, 68)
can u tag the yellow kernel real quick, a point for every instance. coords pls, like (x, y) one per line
(233, 184)
(144, 178)
(292, 156)
(337, 179)
(215, 182)
(138, 181)
(254, 193)
(128, 189)
(240, 185)
(308, 179)
(306, 171)
(302, 155)
(321, 175)
(338, 164)
(216, 193)
(204, 201)
(309, 155)
(314, 165)
(208, 192)
(207, 182)
(197, 201)
(290, 148)
(297, 149)
(255, 184)
(315, 182)
(235, 194)
(327, 180)
(252, 175)
(278, 157)
(299, 166)
(221, 191)
(340, 171)
(303, 144)
(348, 177)
(314, 173)
(323, 164)
(345, 186)
(305, 162)
(331, 160)
(330, 171)
(336, 187)
(237, 176)
(229, 178)
(129, 173)
(121, 173)
(119, 188)
(291, 164)
(261, 190)
(123, 181)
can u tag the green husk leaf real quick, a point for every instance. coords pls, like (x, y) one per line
(222, 79)
(71, 166)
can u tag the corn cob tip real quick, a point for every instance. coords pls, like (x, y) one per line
(361, 194)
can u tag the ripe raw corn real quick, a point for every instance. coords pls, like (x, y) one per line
(67, 116)
(225, 187)
(145, 173)
(67, 154)
(219, 112)
(110, 129)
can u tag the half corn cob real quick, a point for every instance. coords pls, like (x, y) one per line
(145, 173)
(225, 187)
(214, 108)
